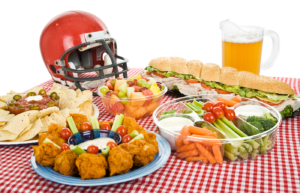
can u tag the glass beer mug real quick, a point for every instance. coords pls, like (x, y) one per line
(242, 47)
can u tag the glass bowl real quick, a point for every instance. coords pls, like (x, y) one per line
(266, 139)
(137, 108)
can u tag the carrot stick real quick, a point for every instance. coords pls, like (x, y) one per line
(185, 154)
(230, 103)
(186, 142)
(237, 98)
(208, 141)
(213, 134)
(179, 140)
(204, 137)
(198, 158)
(217, 154)
(206, 153)
(208, 148)
(188, 147)
(198, 130)
(185, 131)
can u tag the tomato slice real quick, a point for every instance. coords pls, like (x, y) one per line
(270, 103)
(222, 91)
(158, 74)
(205, 86)
(148, 73)
(192, 81)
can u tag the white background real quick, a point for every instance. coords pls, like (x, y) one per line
(145, 30)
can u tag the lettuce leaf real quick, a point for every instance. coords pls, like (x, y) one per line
(272, 96)
(293, 96)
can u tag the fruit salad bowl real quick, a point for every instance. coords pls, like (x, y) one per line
(133, 97)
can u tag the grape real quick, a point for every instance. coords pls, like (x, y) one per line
(130, 83)
(162, 88)
(141, 81)
(109, 93)
(104, 90)
(121, 94)
(144, 88)
(158, 83)
(159, 86)
(147, 85)
(124, 99)
(113, 82)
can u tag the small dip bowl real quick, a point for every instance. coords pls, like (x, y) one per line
(88, 135)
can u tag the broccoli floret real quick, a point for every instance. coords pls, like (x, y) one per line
(287, 112)
(267, 121)
(253, 119)
(248, 129)
(269, 116)
(267, 124)
(258, 126)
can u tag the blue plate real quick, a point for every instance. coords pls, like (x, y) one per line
(159, 160)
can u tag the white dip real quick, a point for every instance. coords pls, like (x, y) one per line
(99, 142)
(34, 98)
(250, 110)
(175, 123)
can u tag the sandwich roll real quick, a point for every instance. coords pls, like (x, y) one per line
(211, 72)
(229, 76)
(161, 63)
(195, 67)
(248, 80)
(268, 84)
(178, 65)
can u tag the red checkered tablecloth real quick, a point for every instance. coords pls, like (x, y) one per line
(278, 171)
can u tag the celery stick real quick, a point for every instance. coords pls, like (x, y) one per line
(105, 152)
(72, 125)
(254, 153)
(95, 123)
(134, 133)
(231, 149)
(117, 122)
(49, 141)
(76, 149)
(243, 152)
(198, 104)
(230, 156)
(248, 147)
(139, 136)
(229, 133)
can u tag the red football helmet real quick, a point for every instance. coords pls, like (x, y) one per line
(77, 42)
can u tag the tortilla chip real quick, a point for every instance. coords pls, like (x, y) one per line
(3, 105)
(26, 129)
(48, 111)
(36, 89)
(69, 92)
(59, 119)
(13, 92)
(6, 135)
(17, 124)
(6, 97)
(78, 92)
(6, 118)
(46, 122)
(72, 111)
(65, 113)
(87, 94)
(32, 115)
(4, 112)
(87, 107)
(32, 132)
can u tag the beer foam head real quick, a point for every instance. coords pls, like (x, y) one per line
(243, 34)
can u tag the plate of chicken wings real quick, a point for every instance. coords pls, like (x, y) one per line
(158, 161)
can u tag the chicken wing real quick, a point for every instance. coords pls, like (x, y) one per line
(146, 153)
(65, 163)
(46, 153)
(150, 138)
(91, 166)
(53, 134)
(79, 119)
(130, 148)
(119, 160)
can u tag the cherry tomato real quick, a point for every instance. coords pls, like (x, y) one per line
(208, 107)
(121, 131)
(86, 126)
(111, 144)
(92, 149)
(105, 126)
(209, 117)
(229, 114)
(65, 133)
(220, 104)
(218, 112)
(126, 138)
(64, 147)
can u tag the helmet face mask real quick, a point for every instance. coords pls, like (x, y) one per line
(77, 42)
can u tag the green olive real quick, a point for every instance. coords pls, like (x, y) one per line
(42, 92)
(20, 106)
(11, 104)
(33, 101)
(51, 103)
(34, 107)
(31, 94)
(17, 97)
(54, 95)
